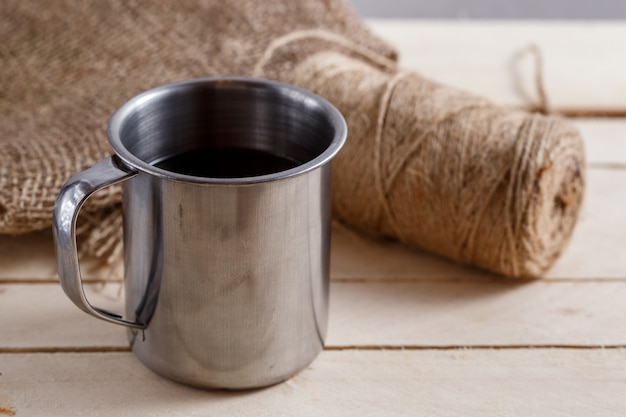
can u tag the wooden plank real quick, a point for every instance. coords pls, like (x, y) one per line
(583, 62)
(605, 141)
(547, 383)
(356, 256)
(27, 256)
(41, 316)
(596, 250)
(31, 257)
(426, 313)
(478, 313)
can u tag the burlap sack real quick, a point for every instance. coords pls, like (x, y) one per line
(429, 165)
(66, 65)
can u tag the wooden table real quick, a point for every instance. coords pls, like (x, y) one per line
(410, 333)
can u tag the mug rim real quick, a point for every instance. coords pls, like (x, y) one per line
(116, 121)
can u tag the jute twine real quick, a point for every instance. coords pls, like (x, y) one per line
(436, 167)
(429, 165)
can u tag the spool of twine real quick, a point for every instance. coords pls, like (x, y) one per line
(436, 167)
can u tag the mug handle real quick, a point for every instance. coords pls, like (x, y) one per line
(66, 208)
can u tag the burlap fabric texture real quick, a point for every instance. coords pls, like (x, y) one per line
(426, 164)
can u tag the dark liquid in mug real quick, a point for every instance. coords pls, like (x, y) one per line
(224, 162)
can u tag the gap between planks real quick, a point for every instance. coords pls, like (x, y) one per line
(48, 281)
(463, 280)
(109, 349)
(365, 280)
(579, 113)
(606, 165)
(585, 113)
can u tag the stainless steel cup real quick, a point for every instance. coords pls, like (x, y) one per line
(226, 278)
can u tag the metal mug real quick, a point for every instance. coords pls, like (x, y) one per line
(226, 279)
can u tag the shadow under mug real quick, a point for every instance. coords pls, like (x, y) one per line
(226, 272)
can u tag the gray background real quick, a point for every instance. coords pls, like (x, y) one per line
(493, 9)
